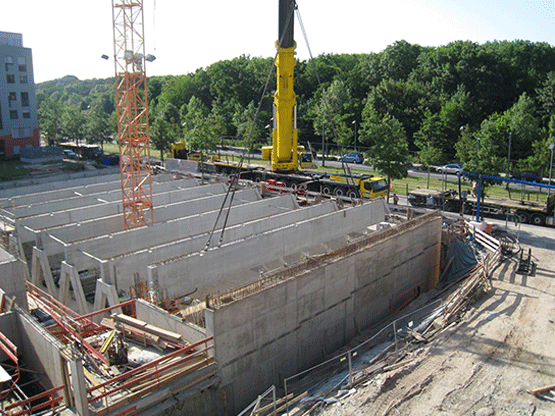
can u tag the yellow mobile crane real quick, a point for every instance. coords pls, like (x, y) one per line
(286, 156)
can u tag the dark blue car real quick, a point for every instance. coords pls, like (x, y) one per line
(352, 158)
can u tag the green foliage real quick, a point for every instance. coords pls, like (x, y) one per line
(335, 106)
(493, 89)
(166, 128)
(388, 144)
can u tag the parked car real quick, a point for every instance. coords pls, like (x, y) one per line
(527, 175)
(352, 158)
(453, 168)
(69, 154)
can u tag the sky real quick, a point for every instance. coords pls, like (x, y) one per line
(68, 37)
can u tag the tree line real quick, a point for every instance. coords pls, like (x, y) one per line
(459, 102)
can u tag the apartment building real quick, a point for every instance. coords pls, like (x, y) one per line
(18, 105)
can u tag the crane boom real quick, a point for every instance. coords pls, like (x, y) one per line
(284, 152)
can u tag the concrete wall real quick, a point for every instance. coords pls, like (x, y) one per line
(158, 317)
(243, 223)
(83, 252)
(34, 198)
(41, 350)
(55, 203)
(108, 215)
(60, 181)
(8, 326)
(288, 327)
(13, 273)
(220, 264)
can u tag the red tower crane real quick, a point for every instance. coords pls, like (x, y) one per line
(132, 112)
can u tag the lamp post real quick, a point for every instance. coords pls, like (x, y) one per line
(355, 123)
(551, 146)
(324, 144)
(509, 155)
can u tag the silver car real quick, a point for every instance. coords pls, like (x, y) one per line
(453, 168)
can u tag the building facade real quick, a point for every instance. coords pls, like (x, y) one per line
(19, 126)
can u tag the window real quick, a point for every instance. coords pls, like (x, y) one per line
(13, 114)
(8, 60)
(12, 99)
(21, 60)
(10, 78)
(22, 68)
(25, 99)
(23, 79)
(26, 114)
(22, 132)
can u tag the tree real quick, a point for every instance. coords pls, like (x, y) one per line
(387, 140)
(97, 128)
(197, 127)
(73, 124)
(243, 120)
(49, 115)
(335, 105)
(166, 128)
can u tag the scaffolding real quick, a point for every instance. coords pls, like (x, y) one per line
(132, 112)
(107, 391)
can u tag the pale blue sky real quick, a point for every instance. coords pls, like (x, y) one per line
(69, 36)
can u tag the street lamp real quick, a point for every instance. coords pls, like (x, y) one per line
(355, 123)
(551, 146)
(509, 155)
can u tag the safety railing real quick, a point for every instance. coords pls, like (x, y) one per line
(151, 376)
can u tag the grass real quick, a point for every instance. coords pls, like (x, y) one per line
(400, 186)
(12, 169)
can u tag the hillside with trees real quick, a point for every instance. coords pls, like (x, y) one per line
(436, 104)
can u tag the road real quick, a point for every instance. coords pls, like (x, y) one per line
(486, 363)
(414, 171)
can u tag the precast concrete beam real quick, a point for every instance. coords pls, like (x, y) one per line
(215, 265)
(125, 241)
(55, 186)
(76, 200)
(28, 228)
(124, 269)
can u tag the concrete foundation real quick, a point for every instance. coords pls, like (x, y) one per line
(332, 273)
(291, 325)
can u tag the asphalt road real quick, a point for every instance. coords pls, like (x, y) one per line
(412, 172)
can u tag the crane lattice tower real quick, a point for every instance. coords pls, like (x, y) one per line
(132, 112)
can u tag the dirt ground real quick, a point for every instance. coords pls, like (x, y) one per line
(485, 365)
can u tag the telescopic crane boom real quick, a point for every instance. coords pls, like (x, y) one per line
(284, 152)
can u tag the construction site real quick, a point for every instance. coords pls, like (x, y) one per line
(216, 289)
(103, 320)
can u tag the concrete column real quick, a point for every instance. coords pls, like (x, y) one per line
(79, 386)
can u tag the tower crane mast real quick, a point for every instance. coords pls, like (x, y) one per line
(132, 112)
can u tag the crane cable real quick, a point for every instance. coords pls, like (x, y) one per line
(235, 176)
(344, 165)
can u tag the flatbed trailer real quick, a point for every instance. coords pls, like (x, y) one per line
(528, 211)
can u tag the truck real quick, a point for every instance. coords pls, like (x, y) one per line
(449, 200)
(287, 158)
